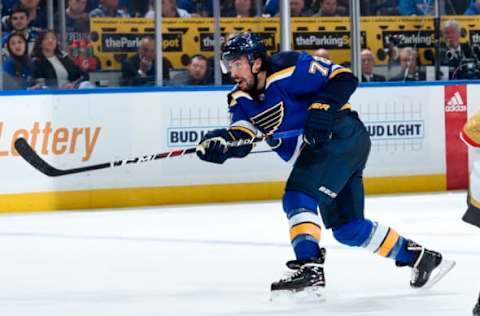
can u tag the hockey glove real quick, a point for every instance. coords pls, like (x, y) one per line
(318, 128)
(213, 146)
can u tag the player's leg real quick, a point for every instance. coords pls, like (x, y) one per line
(476, 309)
(313, 183)
(305, 231)
(304, 224)
(352, 229)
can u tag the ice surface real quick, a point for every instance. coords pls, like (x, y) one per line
(220, 260)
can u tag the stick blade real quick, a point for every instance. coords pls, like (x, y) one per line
(30, 156)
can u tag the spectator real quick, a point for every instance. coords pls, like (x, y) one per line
(241, 8)
(321, 52)
(408, 66)
(343, 6)
(169, 10)
(454, 54)
(37, 18)
(379, 7)
(197, 73)
(451, 36)
(139, 70)
(297, 8)
(368, 64)
(271, 8)
(474, 8)
(329, 8)
(18, 65)
(51, 68)
(456, 7)
(77, 20)
(415, 7)
(108, 9)
(136, 8)
(18, 21)
(199, 7)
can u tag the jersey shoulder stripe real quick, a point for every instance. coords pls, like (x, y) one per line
(279, 75)
(338, 71)
(235, 95)
(281, 66)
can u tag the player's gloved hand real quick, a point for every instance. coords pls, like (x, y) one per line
(213, 146)
(318, 128)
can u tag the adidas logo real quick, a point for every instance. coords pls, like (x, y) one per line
(456, 104)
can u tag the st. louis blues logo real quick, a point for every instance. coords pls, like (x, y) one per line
(269, 120)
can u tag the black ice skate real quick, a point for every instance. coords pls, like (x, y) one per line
(428, 266)
(305, 275)
(476, 309)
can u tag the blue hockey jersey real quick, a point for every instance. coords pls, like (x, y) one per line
(295, 82)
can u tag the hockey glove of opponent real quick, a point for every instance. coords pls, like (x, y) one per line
(318, 127)
(213, 147)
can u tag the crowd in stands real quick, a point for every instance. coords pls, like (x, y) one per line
(187, 8)
(33, 57)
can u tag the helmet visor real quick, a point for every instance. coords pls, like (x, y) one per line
(224, 67)
(239, 62)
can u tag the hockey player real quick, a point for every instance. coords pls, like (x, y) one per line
(292, 90)
(470, 134)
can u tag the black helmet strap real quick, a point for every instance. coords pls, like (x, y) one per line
(255, 92)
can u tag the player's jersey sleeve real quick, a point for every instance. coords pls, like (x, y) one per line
(239, 121)
(470, 133)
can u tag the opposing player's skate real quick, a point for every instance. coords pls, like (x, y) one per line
(476, 309)
(428, 266)
(306, 278)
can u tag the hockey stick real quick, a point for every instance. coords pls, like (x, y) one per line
(30, 156)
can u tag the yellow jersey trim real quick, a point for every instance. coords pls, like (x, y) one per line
(319, 106)
(244, 129)
(238, 94)
(339, 71)
(282, 74)
(326, 107)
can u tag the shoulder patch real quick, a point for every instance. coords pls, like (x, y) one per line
(235, 95)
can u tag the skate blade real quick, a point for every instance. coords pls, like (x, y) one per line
(311, 294)
(444, 267)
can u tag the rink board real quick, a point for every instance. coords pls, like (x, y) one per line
(410, 146)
